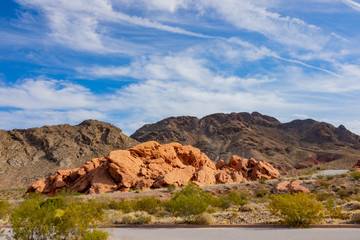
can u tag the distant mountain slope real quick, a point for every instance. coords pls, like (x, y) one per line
(300, 143)
(31, 154)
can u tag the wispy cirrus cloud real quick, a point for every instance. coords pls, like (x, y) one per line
(353, 4)
(84, 25)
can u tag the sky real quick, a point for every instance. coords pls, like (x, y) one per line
(133, 62)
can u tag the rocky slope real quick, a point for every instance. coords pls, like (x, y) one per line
(151, 165)
(31, 154)
(300, 143)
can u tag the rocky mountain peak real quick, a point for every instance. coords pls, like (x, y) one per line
(22, 151)
(256, 135)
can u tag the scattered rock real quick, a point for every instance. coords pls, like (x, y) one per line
(293, 186)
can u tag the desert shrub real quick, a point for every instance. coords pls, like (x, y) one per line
(34, 196)
(55, 218)
(171, 188)
(323, 196)
(95, 235)
(297, 210)
(330, 177)
(148, 204)
(190, 201)
(247, 208)
(139, 217)
(342, 193)
(261, 192)
(237, 198)
(204, 219)
(355, 216)
(324, 184)
(334, 211)
(4, 209)
(125, 206)
(356, 175)
(262, 180)
(65, 192)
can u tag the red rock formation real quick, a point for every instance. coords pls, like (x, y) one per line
(357, 166)
(243, 170)
(291, 186)
(151, 165)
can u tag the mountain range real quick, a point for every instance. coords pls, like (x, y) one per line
(27, 155)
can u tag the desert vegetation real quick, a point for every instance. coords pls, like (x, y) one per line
(68, 215)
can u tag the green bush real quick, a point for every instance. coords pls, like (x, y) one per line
(95, 235)
(324, 184)
(334, 211)
(323, 196)
(342, 193)
(237, 198)
(356, 175)
(297, 210)
(55, 218)
(125, 206)
(190, 201)
(148, 204)
(4, 209)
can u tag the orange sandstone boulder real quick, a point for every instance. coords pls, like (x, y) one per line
(220, 164)
(291, 186)
(151, 165)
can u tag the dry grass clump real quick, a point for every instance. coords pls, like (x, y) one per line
(139, 217)
(355, 216)
(204, 219)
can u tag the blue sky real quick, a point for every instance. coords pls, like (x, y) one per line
(132, 62)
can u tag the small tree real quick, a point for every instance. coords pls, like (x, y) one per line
(296, 210)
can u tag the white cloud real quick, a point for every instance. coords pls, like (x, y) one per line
(253, 16)
(40, 117)
(168, 5)
(45, 94)
(84, 25)
(289, 31)
(353, 4)
(349, 82)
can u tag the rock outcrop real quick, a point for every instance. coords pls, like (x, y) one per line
(151, 165)
(297, 144)
(357, 166)
(30, 154)
(293, 186)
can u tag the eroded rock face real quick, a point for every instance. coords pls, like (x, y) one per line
(151, 165)
(357, 166)
(291, 186)
(244, 170)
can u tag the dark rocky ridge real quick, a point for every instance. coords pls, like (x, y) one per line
(31, 154)
(300, 143)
